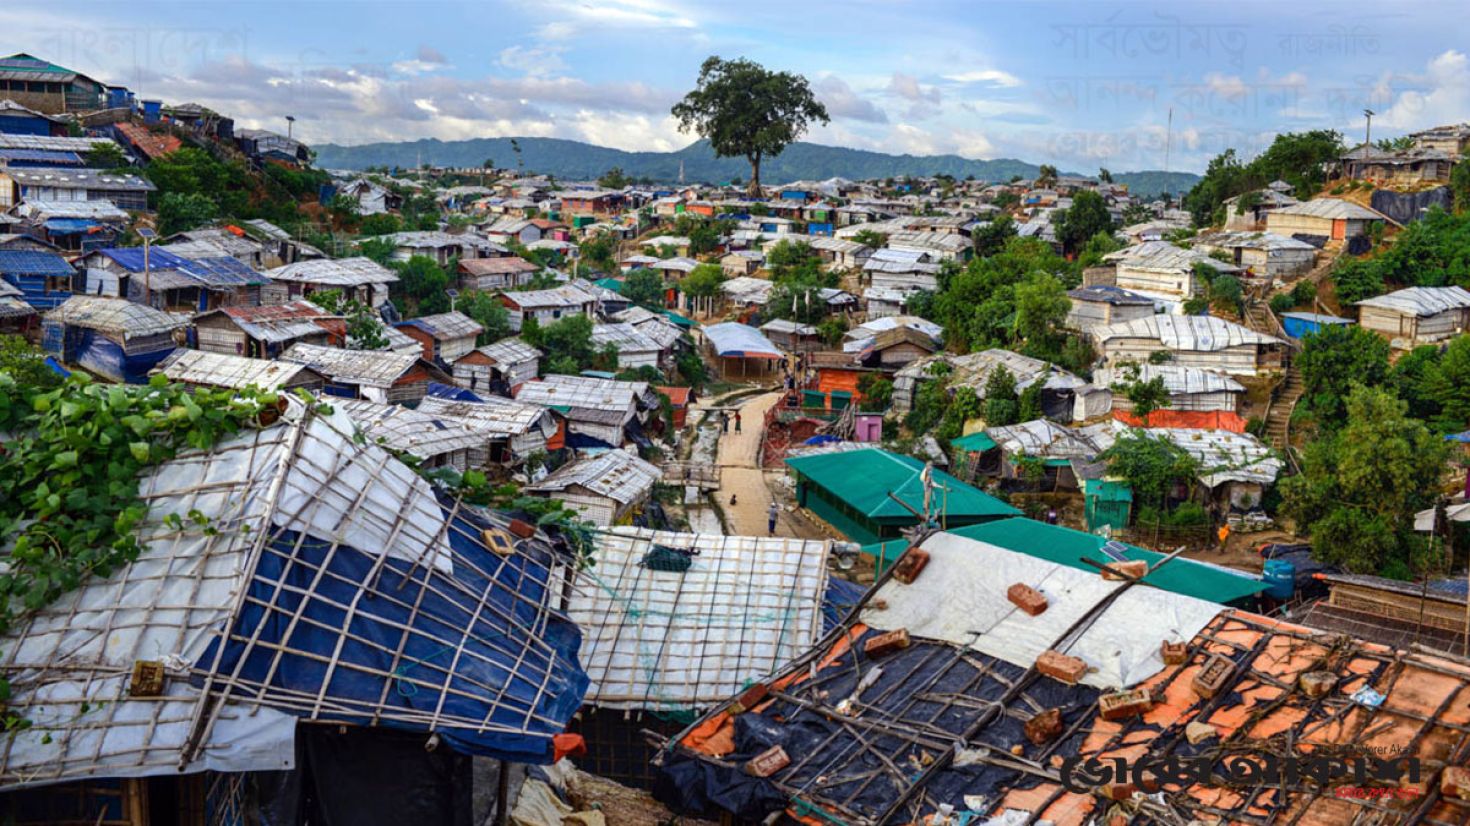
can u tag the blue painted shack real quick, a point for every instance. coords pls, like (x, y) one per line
(16, 119)
(172, 281)
(44, 279)
(1300, 325)
(111, 337)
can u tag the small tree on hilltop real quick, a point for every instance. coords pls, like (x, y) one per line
(746, 110)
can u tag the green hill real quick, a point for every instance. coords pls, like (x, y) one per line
(574, 160)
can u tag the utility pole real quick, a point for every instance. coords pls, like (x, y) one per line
(1168, 138)
(290, 125)
(1368, 130)
(147, 235)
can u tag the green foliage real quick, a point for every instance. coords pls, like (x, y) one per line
(382, 223)
(931, 398)
(1150, 465)
(1460, 186)
(567, 343)
(600, 253)
(792, 260)
(1294, 157)
(876, 391)
(1002, 406)
(106, 156)
(978, 305)
(964, 406)
(1087, 217)
(1448, 384)
(365, 330)
(644, 287)
(69, 503)
(1226, 294)
(178, 212)
(831, 330)
(1096, 247)
(1146, 396)
(423, 283)
(1029, 404)
(1332, 360)
(991, 236)
(1431, 252)
(1361, 486)
(489, 311)
(869, 238)
(614, 179)
(1304, 293)
(745, 110)
(1041, 308)
(25, 364)
(693, 372)
(703, 281)
(1282, 303)
(378, 249)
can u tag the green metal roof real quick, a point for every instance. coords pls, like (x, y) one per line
(863, 479)
(682, 321)
(977, 442)
(1066, 546)
(610, 284)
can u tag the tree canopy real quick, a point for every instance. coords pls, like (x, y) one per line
(1294, 157)
(1332, 360)
(745, 110)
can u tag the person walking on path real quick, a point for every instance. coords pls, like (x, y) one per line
(737, 421)
(724, 422)
(1224, 535)
(771, 514)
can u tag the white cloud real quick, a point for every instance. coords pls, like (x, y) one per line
(1442, 95)
(842, 102)
(578, 18)
(924, 101)
(1226, 85)
(991, 77)
(533, 60)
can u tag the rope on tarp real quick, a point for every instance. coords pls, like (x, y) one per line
(803, 808)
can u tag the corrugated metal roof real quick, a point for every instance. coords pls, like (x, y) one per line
(79, 178)
(446, 325)
(223, 370)
(740, 340)
(583, 392)
(1421, 301)
(747, 290)
(565, 297)
(1177, 378)
(1185, 332)
(1044, 439)
(492, 415)
(46, 142)
(340, 272)
(618, 475)
(114, 316)
(625, 337)
(510, 351)
(864, 478)
(1334, 208)
(1162, 256)
(372, 368)
(412, 431)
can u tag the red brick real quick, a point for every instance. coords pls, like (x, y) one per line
(1174, 653)
(1317, 683)
(1117, 571)
(749, 698)
(886, 643)
(521, 528)
(910, 566)
(1118, 791)
(1059, 666)
(1123, 704)
(1213, 676)
(1044, 727)
(1455, 782)
(1026, 598)
(768, 762)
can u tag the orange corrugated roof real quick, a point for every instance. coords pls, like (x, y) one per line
(1186, 419)
(678, 396)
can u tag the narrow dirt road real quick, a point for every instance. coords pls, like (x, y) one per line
(742, 477)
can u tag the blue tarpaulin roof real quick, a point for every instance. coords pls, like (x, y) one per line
(452, 393)
(69, 226)
(131, 259)
(224, 271)
(40, 156)
(34, 262)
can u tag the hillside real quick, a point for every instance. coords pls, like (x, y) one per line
(802, 161)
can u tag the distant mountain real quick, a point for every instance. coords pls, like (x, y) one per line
(574, 160)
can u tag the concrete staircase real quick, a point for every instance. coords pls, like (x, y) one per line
(1258, 317)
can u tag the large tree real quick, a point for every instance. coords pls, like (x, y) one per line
(1332, 360)
(746, 110)
(1360, 487)
(1087, 217)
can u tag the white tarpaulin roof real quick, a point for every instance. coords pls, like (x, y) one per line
(961, 598)
(674, 641)
(734, 339)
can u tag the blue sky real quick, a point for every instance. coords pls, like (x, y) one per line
(1082, 85)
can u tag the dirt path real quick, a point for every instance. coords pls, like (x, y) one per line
(741, 476)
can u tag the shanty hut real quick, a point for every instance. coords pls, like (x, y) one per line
(321, 581)
(740, 344)
(791, 336)
(606, 488)
(1162, 271)
(507, 272)
(634, 348)
(1416, 315)
(445, 336)
(16, 316)
(600, 413)
(500, 368)
(1322, 219)
(1103, 304)
(1064, 397)
(664, 645)
(112, 337)
(1190, 388)
(510, 431)
(374, 375)
(359, 278)
(205, 369)
(1234, 468)
(265, 332)
(43, 278)
(434, 441)
(1051, 447)
(1262, 254)
(547, 306)
(1192, 341)
(855, 491)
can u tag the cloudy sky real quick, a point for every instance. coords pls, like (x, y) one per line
(1082, 84)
